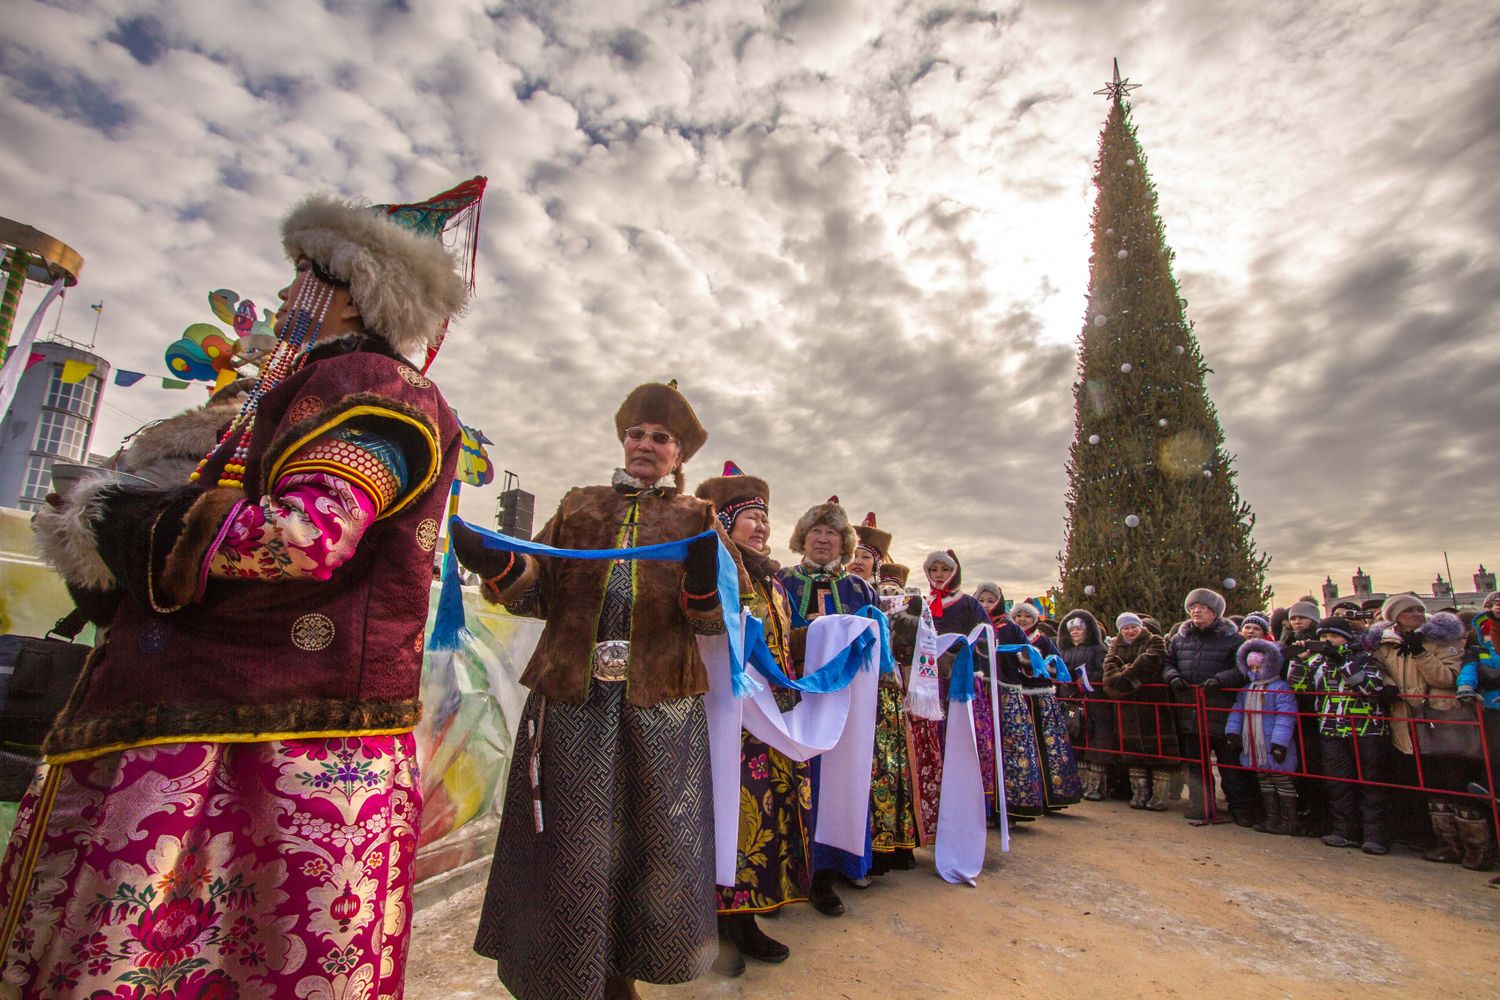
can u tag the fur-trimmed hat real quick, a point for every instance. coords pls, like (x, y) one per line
(894, 572)
(405, 283)
(1397, 603)
(1026, 608)
(987, 587)
(830, 513)
(661, 403)
(1272, 653)
(1303, 609)
(875, 539)
(733, 493)
(1210, 599)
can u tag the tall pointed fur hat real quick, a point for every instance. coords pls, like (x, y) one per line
(873, 538)
(894, 572)
(661, 403)
(404, 281)
(832, 514)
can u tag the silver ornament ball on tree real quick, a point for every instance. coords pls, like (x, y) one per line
(1131, 521)
(1127, 368)
(1230, 583)
(1100, 319)
(1162, 422)
(1093, 439)
(1090, 590)
(1123, 254)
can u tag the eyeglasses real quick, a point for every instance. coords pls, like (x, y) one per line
(657, 437)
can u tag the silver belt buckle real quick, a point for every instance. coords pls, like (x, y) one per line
(611, 660)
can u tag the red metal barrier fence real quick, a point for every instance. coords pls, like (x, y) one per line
(1165, 710)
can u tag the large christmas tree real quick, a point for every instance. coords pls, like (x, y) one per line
(1153, 511)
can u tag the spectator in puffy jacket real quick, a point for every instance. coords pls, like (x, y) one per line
(1353, 734)
(1263, 728)
(1419, 663)
(1202, 655)
(1299, 642)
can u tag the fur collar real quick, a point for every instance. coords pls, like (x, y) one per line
(624, 480)
(834, 568)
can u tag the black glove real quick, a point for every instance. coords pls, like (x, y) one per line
(1179, 686)
(1389, 694)
(914, 606)
(1211, 686)
(1235, 743)
(1411, 644)
(1318, 646)
(498, 568)
(1278, 753)
(701, 567)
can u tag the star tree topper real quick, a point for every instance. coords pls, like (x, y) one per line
(1118, 89)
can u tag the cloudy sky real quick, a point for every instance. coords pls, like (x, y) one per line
(856, 232)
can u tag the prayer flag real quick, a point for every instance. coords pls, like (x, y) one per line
(35, 357)
(172, 383)
(125, 378)
(74, 372)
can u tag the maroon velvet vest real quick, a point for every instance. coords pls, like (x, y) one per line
(266, 660)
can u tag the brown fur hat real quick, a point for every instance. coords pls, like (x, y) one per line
(874, 538)
(407, 286)
(831, 514)
(732, 486)
(661, 403)
(893, 572)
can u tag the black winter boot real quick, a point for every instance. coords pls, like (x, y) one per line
(1272, 821)
(822, 896)
(742, 931)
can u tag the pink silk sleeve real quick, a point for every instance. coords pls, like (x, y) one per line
(306, 528)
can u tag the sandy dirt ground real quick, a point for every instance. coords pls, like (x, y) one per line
(1099, 902)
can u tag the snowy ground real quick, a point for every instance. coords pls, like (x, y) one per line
(1101, 902)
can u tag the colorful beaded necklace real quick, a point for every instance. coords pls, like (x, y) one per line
(298, 334)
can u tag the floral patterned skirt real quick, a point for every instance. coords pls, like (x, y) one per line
(1025, 795)
(234, 870)
(926, 737)
(1059, 767)
(893, 818)
(774, 857)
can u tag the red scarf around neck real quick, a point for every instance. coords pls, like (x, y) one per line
(936, 604)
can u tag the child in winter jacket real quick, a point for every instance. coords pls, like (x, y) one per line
(1352, 731)
(1263, 726)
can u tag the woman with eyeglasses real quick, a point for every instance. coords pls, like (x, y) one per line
(604, 867)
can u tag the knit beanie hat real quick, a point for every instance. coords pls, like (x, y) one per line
(1256, 618)
(1208, 598)
(1128, 618)
(1304, 609)
(1490, 598)
(1336, 625)
(1398, 603)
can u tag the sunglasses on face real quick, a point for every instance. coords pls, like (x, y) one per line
(657, 437)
